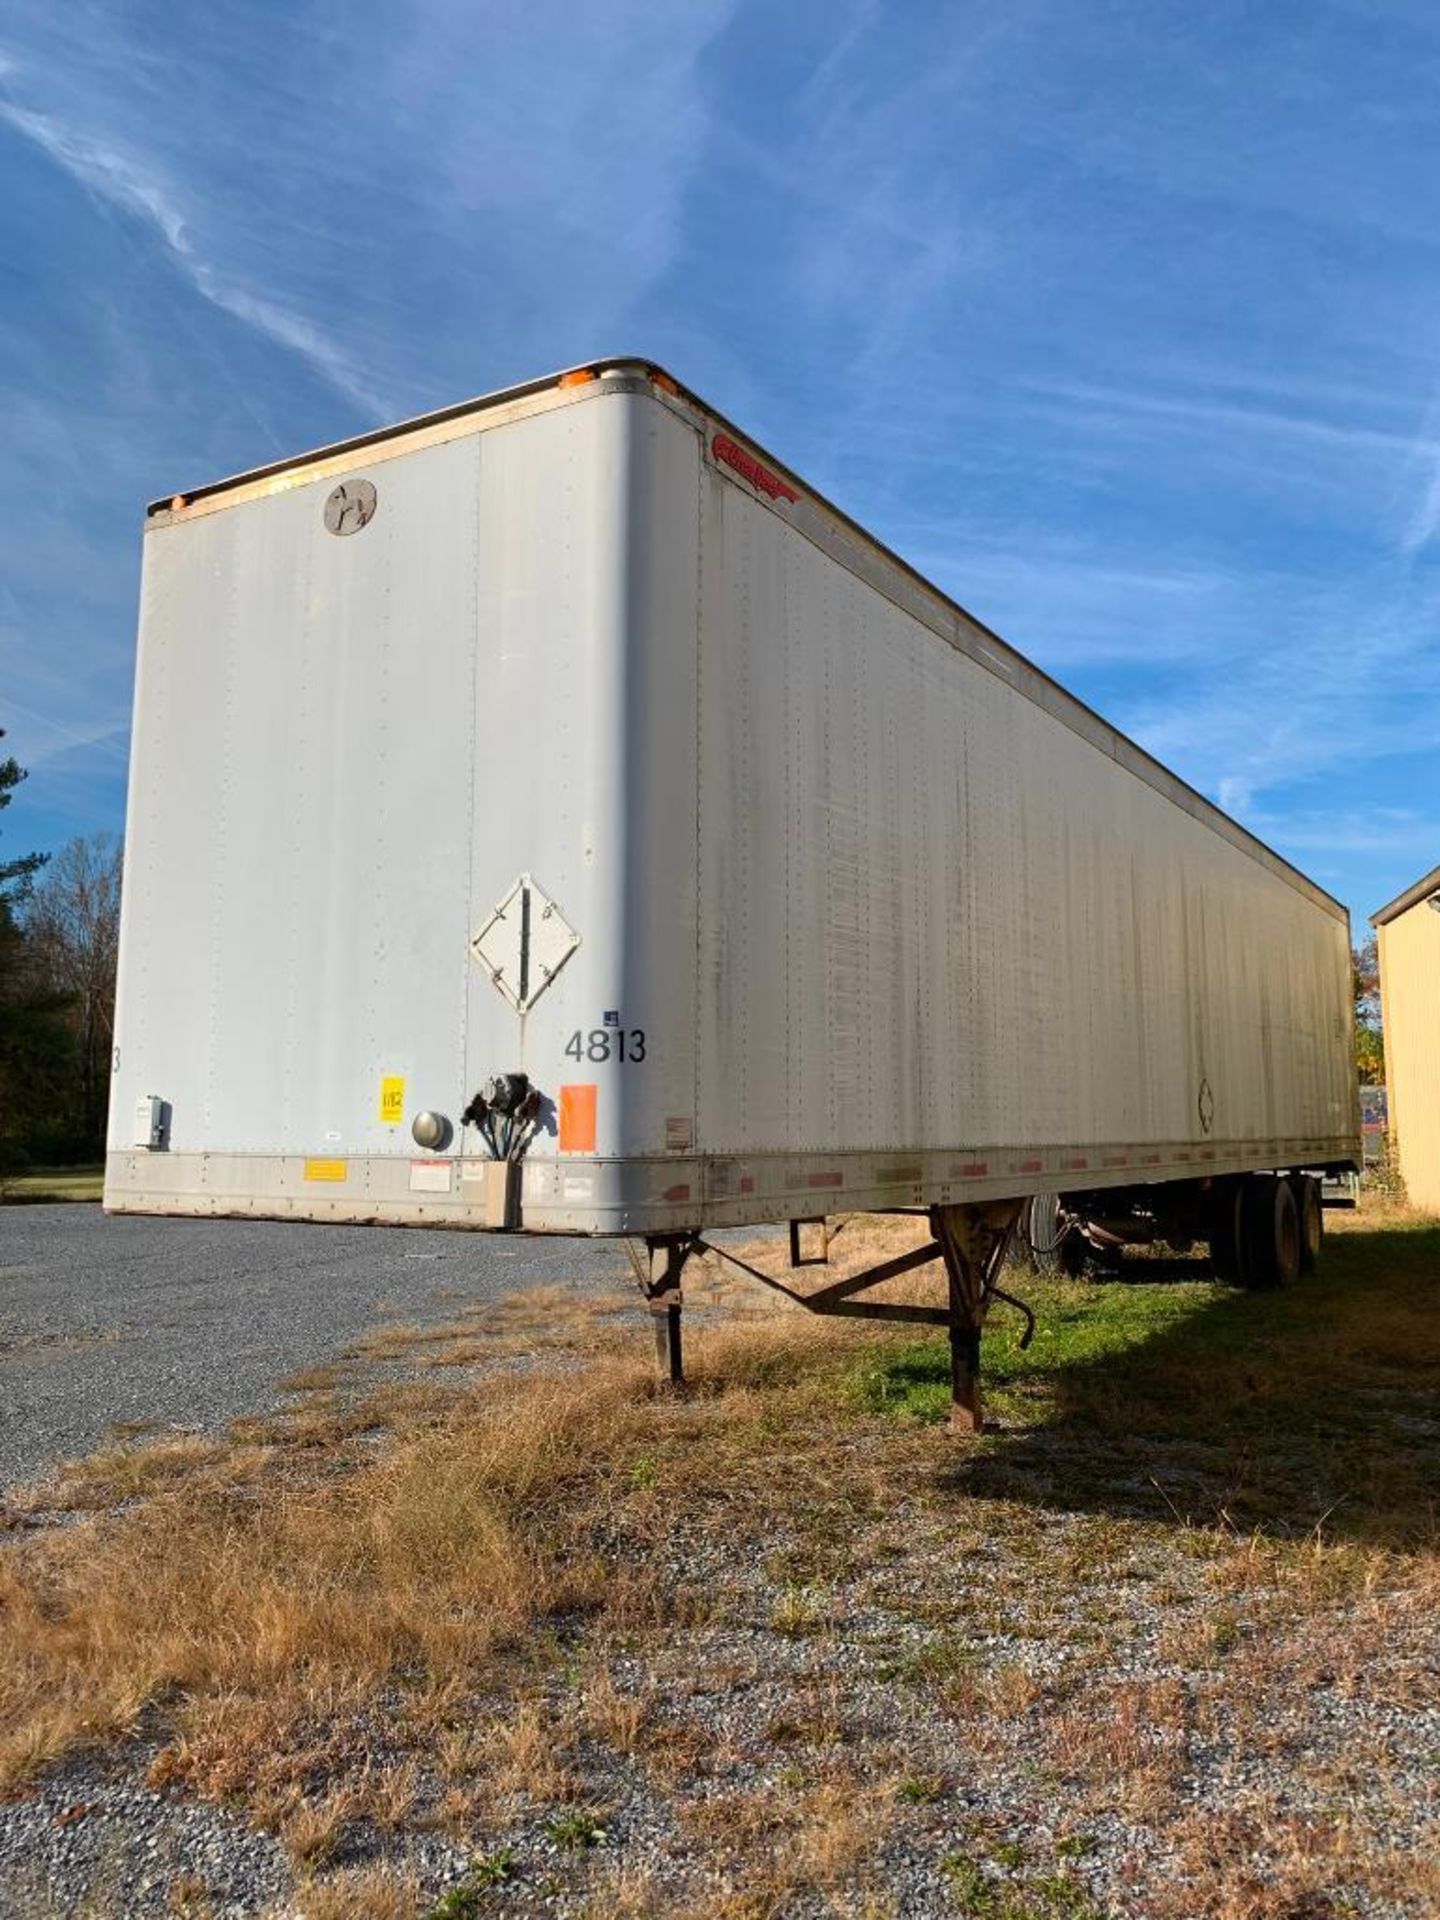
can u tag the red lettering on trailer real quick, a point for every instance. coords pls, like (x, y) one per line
(747, 1183)
(1029, 1166)
(749, 468)
(975, 1169)
(1115, 1160)
(823, 1179)
(1149, 1159)
(1074, 1166)
(677, 1193)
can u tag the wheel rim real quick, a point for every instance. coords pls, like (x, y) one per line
(1313, 1225)
(1288, 1240)
(1289, 1246)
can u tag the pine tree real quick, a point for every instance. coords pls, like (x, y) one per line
(36, 1048)
(16, 876)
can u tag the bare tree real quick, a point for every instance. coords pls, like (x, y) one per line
(72, 923)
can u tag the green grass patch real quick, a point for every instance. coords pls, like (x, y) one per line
(44, 1184)
(576, 1830)
(1079, 1324)
(1308, 1411)
(467, 1901)
(923, 1789)
(1045, 1896)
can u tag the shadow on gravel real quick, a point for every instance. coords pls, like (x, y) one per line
(1314, 1410)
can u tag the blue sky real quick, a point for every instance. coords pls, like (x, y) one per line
(1121, 321)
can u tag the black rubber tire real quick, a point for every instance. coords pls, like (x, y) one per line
(1269, 1233)
(1224, 1232)
(1040, 1232)
(1312, 1219)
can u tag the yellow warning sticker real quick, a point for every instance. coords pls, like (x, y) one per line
(327, 1169)
(392, 1099)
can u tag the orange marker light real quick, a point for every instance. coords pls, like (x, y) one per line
(664, 382)
(582, 376)
(177, 503)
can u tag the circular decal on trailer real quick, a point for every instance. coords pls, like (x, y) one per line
(350, 507)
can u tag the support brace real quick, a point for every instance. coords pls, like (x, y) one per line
(801, 1259)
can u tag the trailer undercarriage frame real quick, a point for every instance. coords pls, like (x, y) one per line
(971, 1241)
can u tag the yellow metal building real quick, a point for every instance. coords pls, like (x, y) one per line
(1408, 935)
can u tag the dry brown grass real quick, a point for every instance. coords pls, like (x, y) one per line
(815, 1838)
(1259, 1860)
(627, 1893)
(136, 1466)
(312, 1830)
(251, 1593)
(435, 1559)
(553, 1318)
(615, 1718)
(369, 1893)
(525, 1755)
(1128, 1750)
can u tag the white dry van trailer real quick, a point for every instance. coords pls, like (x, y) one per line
(553, 815)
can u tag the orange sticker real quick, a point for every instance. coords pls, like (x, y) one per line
(577, 1119)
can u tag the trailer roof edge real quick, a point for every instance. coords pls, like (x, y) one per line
(1411, 897)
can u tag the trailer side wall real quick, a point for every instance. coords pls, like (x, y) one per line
(958, 921)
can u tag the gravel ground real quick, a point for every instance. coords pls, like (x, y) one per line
(931, 1706)
(187, 1323)
(828, 1718)
(96, 1840)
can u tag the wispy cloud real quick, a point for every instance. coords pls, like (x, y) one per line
(1213, 414)
(1066, 605)
(51, 739)
(1353, 685)
(1426, 518)
(1319, 440)
(1405, 832)
(121, 182)
(1424, 521)
(517, 190)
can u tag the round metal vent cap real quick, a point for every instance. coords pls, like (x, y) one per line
(351, 506)
(430, 1130)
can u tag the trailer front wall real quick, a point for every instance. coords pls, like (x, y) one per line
(347, 750)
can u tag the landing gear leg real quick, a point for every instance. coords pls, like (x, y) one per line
(972, 1241)
(667, 1254)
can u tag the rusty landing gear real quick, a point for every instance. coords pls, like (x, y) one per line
(970, 1240)
(666, 1254)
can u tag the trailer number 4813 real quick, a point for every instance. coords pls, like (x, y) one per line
(608, 1043)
